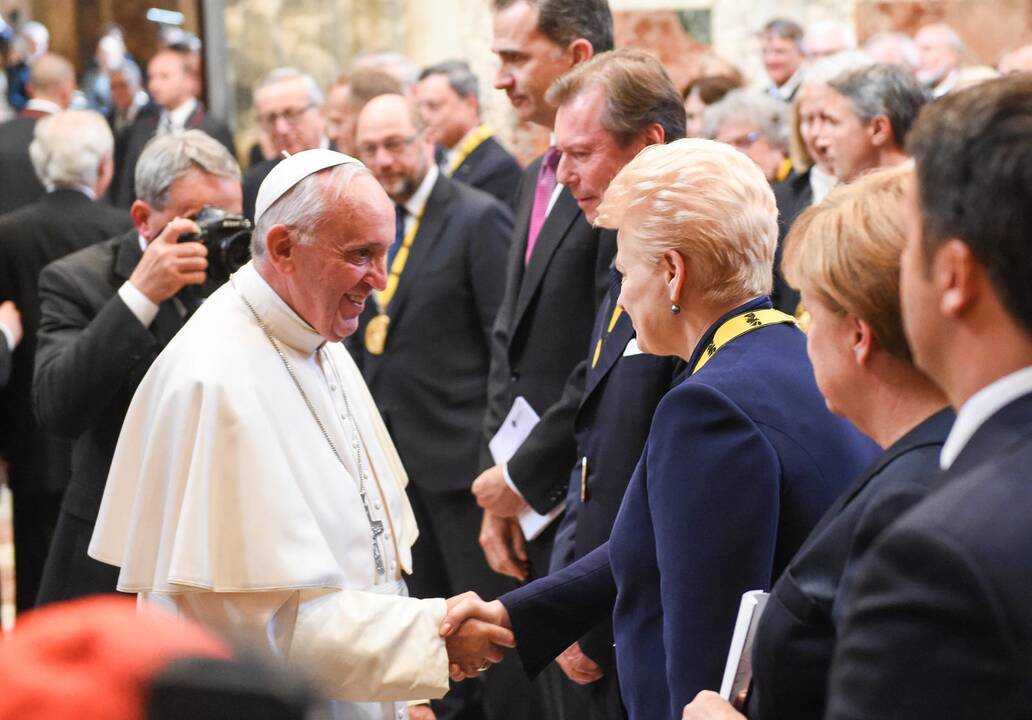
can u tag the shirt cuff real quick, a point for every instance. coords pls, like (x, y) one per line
(510, 483)
(139, 304)
(9, 335)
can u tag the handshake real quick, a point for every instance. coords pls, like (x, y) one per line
(475, 632)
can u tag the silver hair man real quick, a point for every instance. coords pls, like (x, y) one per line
(72, 149)
(169, 157)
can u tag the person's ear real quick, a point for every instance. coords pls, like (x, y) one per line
(675, 274)
(863, 343)
(880, 130)
(580, 50)
(958, 277)
(141, 213)
(280, 246)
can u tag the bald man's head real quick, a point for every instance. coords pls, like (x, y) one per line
(391, 141)
(52, 78)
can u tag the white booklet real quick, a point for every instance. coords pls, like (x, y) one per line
(738, 670)
(514, 430)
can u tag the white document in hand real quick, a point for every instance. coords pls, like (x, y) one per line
(514, 430)
(738, 670)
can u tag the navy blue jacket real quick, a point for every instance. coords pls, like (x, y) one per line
(741, 461)
(796, 637)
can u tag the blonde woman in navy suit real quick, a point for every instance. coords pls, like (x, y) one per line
(742, 457)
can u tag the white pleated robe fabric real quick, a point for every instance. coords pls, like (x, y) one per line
(226, 504)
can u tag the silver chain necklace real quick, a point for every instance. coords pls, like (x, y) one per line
(375, 526)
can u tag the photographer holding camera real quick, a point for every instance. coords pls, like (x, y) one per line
(106, 313)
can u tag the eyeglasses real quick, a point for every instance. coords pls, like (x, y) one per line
(292, 116)
(744, 141)
(393, 145)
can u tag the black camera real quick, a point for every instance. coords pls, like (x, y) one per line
(228, 239)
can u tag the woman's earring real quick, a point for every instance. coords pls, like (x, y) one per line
(675, 309)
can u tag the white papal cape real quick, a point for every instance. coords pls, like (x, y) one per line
(226, 503)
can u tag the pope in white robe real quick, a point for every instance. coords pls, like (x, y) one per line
(234, 499)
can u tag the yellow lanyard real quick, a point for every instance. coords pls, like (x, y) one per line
(471, 143)
(740, 325)
(383, 298)
(784, 170)
(612, 324)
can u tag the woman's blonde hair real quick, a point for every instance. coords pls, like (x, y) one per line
(847, 251)
(705, 200)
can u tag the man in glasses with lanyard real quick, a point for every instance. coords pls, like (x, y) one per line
(423, 343)
(255, 488)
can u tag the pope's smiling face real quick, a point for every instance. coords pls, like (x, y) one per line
(335, 274)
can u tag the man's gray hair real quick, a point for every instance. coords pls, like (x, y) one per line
(459, 75)
(756, 106)
(281, 74)
(303, 206)
(883, 89)
(825, 70)
(130, 71)
(68, 148)
(167, 158)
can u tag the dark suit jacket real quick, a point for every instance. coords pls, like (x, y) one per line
(19, 185)
(252, 180)
(612, 422)
(6, 361)
(939, 624)
(430, 384)
(57, 224)
(143, 129)
(793, 195)
(794, 643)
(741, 461)
(491, 168)
(92, 353)
(543, 326)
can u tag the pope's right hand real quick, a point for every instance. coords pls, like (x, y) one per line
(168, 265)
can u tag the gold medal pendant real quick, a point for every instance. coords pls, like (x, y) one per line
(376, 334)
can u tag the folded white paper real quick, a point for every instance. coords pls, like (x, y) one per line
(738, 670)
(514, 430)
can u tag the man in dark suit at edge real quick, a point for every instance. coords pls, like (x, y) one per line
(51, 86)
(105, 313)
(171, 83)
(449, 101)
(424, 348)
(73, 157)
(939, 623)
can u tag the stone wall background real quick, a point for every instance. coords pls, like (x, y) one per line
(322, 36)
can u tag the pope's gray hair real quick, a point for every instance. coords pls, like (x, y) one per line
(303, 206)
(68, 148)
(167, 158)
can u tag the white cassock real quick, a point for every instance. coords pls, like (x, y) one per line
(226, 504)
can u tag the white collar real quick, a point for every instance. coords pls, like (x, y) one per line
(821, 183)
(414, 205)
(788, 88)
(283, 323)
(180, 115)
(44, 106)
(980, 407)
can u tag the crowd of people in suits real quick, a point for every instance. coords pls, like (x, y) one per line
(777, 338)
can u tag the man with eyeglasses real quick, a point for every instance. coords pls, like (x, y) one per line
(423, 345)
(288, 110)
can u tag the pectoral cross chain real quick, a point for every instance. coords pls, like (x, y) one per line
(377, 528)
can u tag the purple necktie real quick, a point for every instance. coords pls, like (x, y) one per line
(542, 194)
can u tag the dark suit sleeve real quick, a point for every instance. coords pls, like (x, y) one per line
(925, 636)
(540, 468)
(487, 259)
(81, 359)
(549, 614)
(6, 361)
(713, 487)
(498, 375)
